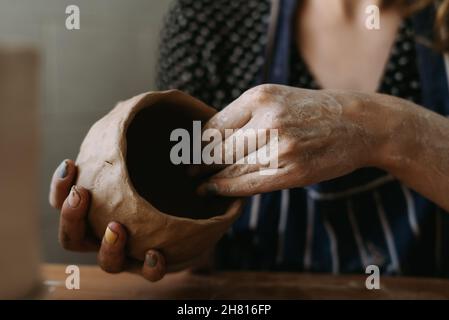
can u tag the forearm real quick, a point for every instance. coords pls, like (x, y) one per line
(413, 146)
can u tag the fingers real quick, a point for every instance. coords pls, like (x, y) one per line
(231, 147)
(73, 224)
(243, 142)
(111, 256)
(63, 179)
(249, 165)
(247, 184)
(154, 267)
(234, 148)
(234, 116)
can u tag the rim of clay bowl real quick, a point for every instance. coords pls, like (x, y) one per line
(142, 102)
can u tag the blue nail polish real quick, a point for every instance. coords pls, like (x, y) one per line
(151, 260)
(62, 170)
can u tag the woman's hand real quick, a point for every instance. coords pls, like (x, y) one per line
(321, 135)
(73, 201)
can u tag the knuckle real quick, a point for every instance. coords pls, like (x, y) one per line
(225, 189)
(261, 97)
(275, 122)
(73, 216)
(261, 93)
(266, 88)
(252, 184)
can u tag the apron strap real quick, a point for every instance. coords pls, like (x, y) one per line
(271, 38)
(431, 64)
(277, 62)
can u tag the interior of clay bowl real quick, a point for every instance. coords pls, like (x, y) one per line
(167, 186)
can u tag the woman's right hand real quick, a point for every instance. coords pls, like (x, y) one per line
(74, 234)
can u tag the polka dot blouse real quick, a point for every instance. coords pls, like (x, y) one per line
(214, 50)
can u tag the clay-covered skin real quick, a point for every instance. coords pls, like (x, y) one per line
(125, 163)
(324, 134)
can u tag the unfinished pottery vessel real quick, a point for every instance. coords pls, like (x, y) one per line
(125, 163)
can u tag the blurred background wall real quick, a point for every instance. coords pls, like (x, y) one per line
(83, 74)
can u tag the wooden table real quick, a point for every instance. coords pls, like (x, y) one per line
(96, 284)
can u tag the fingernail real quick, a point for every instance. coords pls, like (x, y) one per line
(110, 236)
(62, 170)
(151, 260)
(74, 198)
(208, 189)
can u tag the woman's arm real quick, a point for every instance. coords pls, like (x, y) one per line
(328, 133)
(417, 146)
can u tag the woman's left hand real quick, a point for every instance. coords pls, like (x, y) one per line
(322, 134)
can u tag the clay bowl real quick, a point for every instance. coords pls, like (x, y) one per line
(125, 162)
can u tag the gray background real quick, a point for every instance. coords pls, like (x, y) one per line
(83, 74)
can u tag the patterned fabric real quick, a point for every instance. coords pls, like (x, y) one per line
(214, 50)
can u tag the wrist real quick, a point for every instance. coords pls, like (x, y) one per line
(392, 122)
(380, 121)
